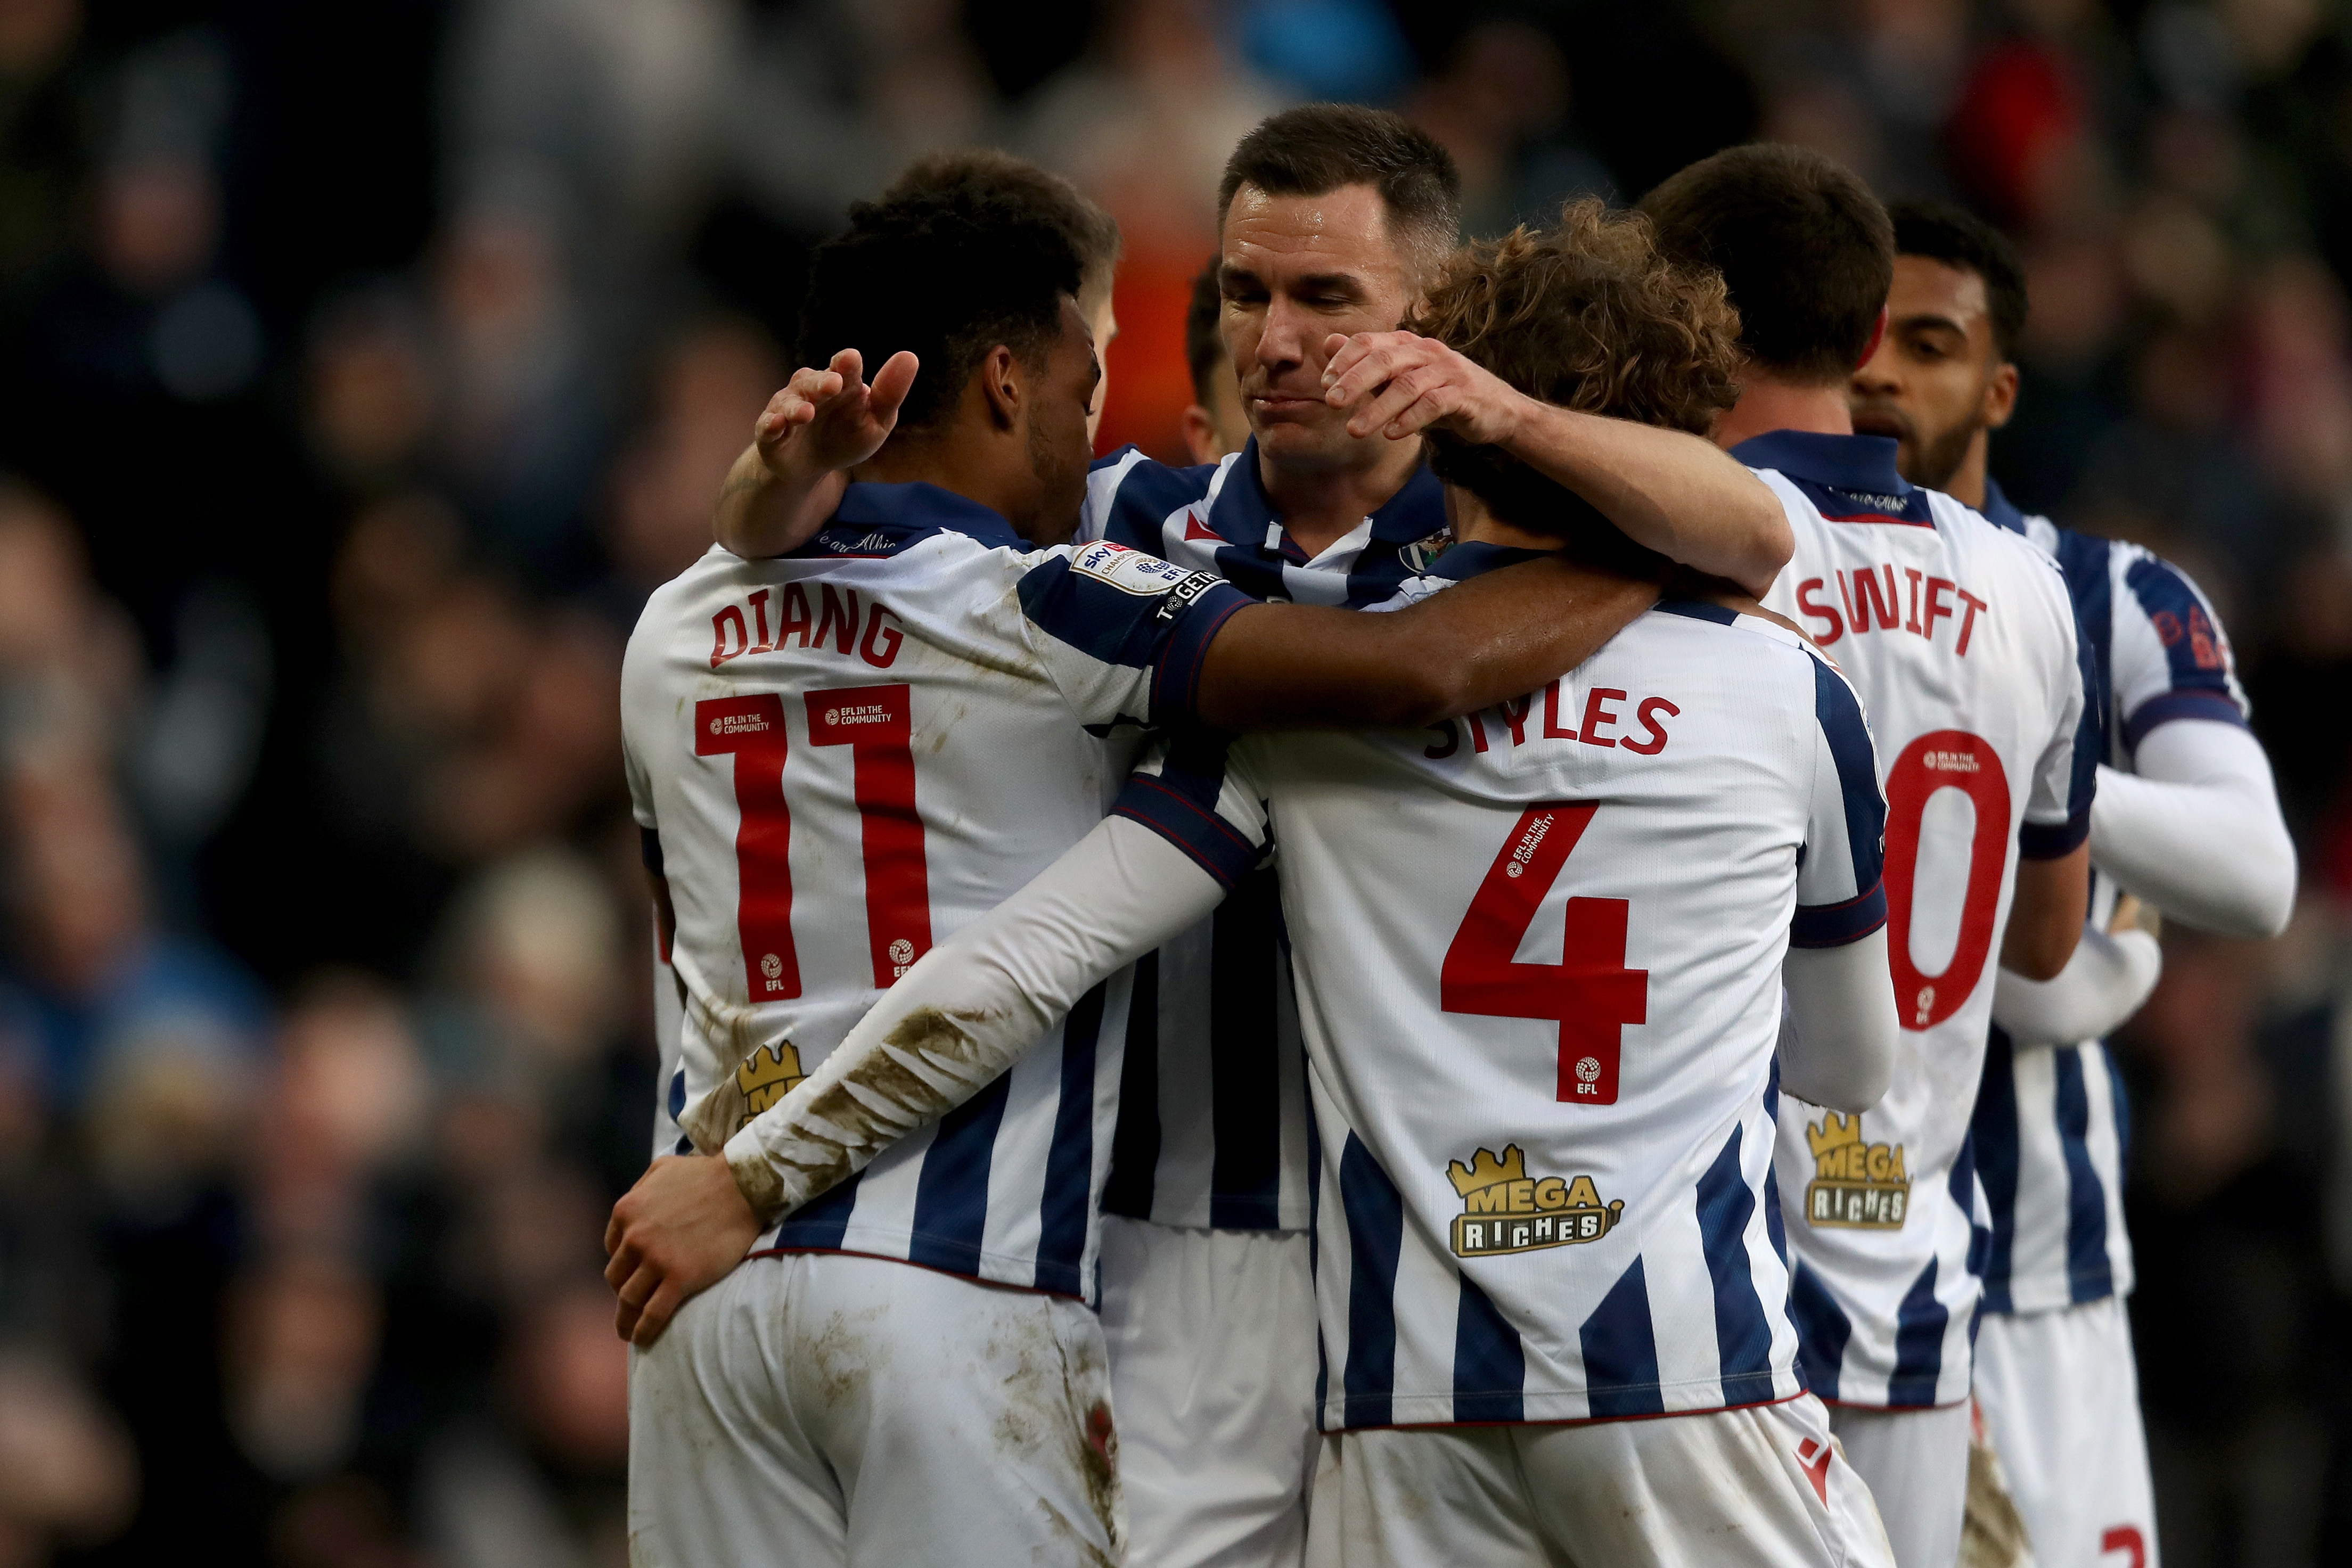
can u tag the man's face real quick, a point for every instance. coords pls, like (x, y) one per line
(1216, 427)
(1103, 322)
(1060, 446)
(1938, 377)
(1295, 270)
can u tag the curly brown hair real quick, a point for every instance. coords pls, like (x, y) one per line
(1587, 315)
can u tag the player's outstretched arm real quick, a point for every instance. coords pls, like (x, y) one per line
(1839, 1051)
(2196, 829)
(2047, 916)
(2104, 982)
(1498, 637)
(965, 1012)
(821, 425)
(1679, 495)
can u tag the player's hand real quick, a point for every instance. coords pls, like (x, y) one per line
(829, 419)
(678, 1232)
(1401, 384)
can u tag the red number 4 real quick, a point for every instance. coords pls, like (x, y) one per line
(875, 723)
(1590, 993)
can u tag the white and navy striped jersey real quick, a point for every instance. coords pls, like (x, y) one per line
(2053, 1123)
(1213, 1126)
(846, 753)
(1538, 956)
(1961, 640)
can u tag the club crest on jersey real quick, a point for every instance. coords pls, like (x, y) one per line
(768, 1075)
(1857, 1185)
(1505, 1210)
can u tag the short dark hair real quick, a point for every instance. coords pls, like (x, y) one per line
(1093, 232)
(1957, 237)
(1587, 316)
(1805, 248)
(948, 273)
(1316, 148)
(1204, 344)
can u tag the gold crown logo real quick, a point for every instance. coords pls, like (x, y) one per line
(1486, 1169)
(768, 1075)
(1836, 1131)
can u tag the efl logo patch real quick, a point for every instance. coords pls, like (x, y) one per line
(1858, 1186)
(1128, 571)
(1503, 1210)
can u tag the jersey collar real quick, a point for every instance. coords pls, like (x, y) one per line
(1862, 462)
(920, 505)
(1999, 509)
(1242, 511)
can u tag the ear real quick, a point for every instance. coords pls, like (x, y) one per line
(2001, 396)
(1000, 380)
(1878, 332)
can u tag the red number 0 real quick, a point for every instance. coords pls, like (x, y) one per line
(1944, 759)
(1590, 993)
(875, 723)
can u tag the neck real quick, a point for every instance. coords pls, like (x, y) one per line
(1319, 506)
(1473, 523)
(954, 457)
(1769, 404)
(1966, 483)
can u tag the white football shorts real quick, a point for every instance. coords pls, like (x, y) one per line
(833, 1411)
(1915, 1463)
(2059, 1392)
(1762, 1486)
(1212, 1358)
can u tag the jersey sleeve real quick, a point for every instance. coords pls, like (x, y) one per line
(1841, 891)
(1200, 789)
(1123, 634)
(1130, 499)
(2066, 774)
(2168, 655)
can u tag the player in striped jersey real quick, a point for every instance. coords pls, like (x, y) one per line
(1961, 640)
(920, 696)
(2187, 816)
(1332, 217)
(1547, 1211)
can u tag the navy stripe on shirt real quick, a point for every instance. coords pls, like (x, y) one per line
(1070, 1162)
(1375, 1213)
(1244, 1058)
(1743, 1334)
(1839, 714)
(1822, 1331)
(1621, 1350)
(1490, 1364)
(950, 1221)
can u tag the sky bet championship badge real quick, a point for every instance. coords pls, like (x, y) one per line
(1855, 1184)
(1503, 1210)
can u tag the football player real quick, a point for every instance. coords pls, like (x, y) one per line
(845, 753)
(1539, 956)
(2187, 816)
(1960, 638)
(1333, 218)
(1213, 425)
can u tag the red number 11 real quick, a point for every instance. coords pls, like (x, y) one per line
(875, 723)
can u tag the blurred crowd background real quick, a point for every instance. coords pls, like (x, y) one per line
(365, 365)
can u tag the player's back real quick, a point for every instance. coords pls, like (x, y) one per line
(1539, 954)
(845, 753)
(1960, 636)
